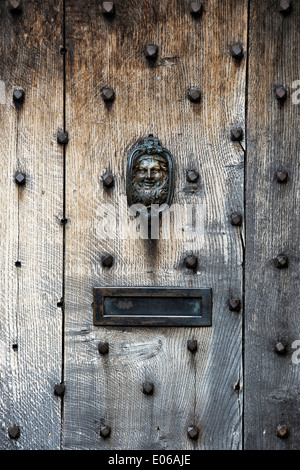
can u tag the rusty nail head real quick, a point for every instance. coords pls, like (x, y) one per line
(282, 430)
(234, 305)
(105, 431)
(191, 262)
(148, 388)
(15, 4)
(280, 347)
(18, 96)
(281, 176)
(108, 94)
(192, 176)
(151, 51)
(14, 432)
(62, 137)
(103, 347)
(281, 92)
(59, 389)
(108, 8)
(20, 179)
(285, 6)
(193, 432)
(195, 8)
(281, 261)
(236, 219)
(236, 134)
(192, 345)
(107, 260)
(237, 50)
(194, 95)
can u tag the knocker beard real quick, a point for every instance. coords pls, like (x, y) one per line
(150, 196)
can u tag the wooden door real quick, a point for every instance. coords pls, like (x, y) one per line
(208, 95)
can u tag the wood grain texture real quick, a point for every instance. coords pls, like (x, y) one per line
(30, 322)
(188, 389)
(271, 297)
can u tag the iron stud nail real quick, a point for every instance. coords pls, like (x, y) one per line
(281, 176)
(15, 4)
(280, 347)
(105, 431)
(108, 180)
(20, 179)
(194, 95)
(59, 389)
(193, 432)
(62, 137)
(237, 50)
(18, 96)
(282, 430)
(108, 8)
(192, 345)
(236, 219)
(236, 134)
(192, 176)
(195, 8)
(108, 94)
(281, 261)
(191, 262)
(107, 261)
(148, 388)
(285, 6)
(234, 305)
(151, 51)
(14, 432)
(103, 347)
(281, 93)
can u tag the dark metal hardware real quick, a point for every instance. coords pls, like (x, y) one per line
(148, 388)
(20, 179)
(108, 94)
(237, 51)
(151, 51)
(103, 347)
(14, 432)
(285, 6)
(195, 8)
(108, 180)
(192, 345)
(18, 96)
(107, 261)
(282, 430)
(150, 175)
(236, 219)
(191, 262)
(192, 176)
(62, 137)
(194, 95)
(280, 347)
(236, 134)
(281, 93)
(234, 305)
(105, 431)
(108, 8)
(281, 176)
(152, 306)
(281, 261)
(59, 389)
(15, 4)
(193, 432)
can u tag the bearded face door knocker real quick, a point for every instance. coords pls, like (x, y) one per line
(150, 176)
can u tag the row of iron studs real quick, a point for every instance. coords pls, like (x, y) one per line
(194, 95)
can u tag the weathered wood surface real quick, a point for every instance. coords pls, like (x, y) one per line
(30, 232)
(271, 297)
(199, 389)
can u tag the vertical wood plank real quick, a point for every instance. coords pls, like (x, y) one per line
(271, 297)
(30, 321)
(204, 389)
